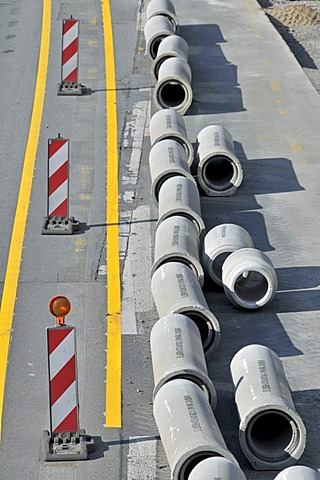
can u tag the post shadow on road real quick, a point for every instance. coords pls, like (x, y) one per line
(214, 79)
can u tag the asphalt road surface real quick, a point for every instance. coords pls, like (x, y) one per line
(244, 78)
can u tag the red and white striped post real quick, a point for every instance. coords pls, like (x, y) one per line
(58, 177)
(57, 220)
(65, 441)
(70, 59)
(63, 390)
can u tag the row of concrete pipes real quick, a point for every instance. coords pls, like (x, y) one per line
(271, 432)
(169, 54)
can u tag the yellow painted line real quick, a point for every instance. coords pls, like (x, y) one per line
(276, 86)
(15, 251)
(113, 371)
(296, 148)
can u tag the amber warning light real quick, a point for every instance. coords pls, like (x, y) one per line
(59, 306)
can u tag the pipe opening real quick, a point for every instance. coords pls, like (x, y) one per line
(163, 179)
(154, 46)
(171, 94)
(192, 462)
(207, 334)
(218, 173)
(251, 286)
(271, 435)
(216, 267)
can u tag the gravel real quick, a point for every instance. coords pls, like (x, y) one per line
(300, 28)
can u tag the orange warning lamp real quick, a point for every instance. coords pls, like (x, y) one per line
(59, 306)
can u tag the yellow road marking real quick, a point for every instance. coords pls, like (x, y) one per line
(113, 373)
(276, 86)
(296, 148)
(20, 220)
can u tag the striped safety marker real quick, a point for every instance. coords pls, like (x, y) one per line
(70, 45)
(58, 177)
(63, 390)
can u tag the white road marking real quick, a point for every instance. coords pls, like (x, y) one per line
(141, 459)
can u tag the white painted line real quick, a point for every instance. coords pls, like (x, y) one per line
(133, 136)
(129, 324)
(140, 253)
(142, 459)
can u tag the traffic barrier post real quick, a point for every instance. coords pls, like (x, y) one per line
(70, 59)
(57, 220)
(65, 440)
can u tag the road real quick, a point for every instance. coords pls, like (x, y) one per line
(244, 78)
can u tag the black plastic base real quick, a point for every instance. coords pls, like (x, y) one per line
(71, 88)
(59, 226)
(65, 447)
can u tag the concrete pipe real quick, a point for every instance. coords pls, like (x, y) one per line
(167, 159)
(177, 352)
(218, 244)
(172, 46)
(219, 170)
(173, 88)
(298, 472)
(180, 196)
(155, 30)
(169, 124)
(175, 289)
(214, 468)
(188, 429)
(177, 240)
(249, 279)
(162, 7)
(272, 434)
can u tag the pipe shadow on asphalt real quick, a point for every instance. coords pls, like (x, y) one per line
(214, 79)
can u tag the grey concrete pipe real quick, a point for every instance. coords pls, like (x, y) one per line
(177, 240)
(219, 170)
(169, 124)
(167, 159)
(188, 429)
(249, 279)
(155, 30)
(172, 46)
(271, 433)
(218, 244)
(298, 472)
(162, 7)
(173, 88)
(180, 196)
(216, 468)
(177, 352)
(175, 289)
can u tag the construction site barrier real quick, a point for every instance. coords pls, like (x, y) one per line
(155, 30)
(172, 46)
(173, 88)
(219, 170)
(162, 7)
(188, 429)
(167, 158)
(180, 196)
(298, 472)
(177, 240)
(271, 432)
(169, 124)
(177, 352)
(218, 244)
(215, 468)
(175, 289)
(249, 279)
